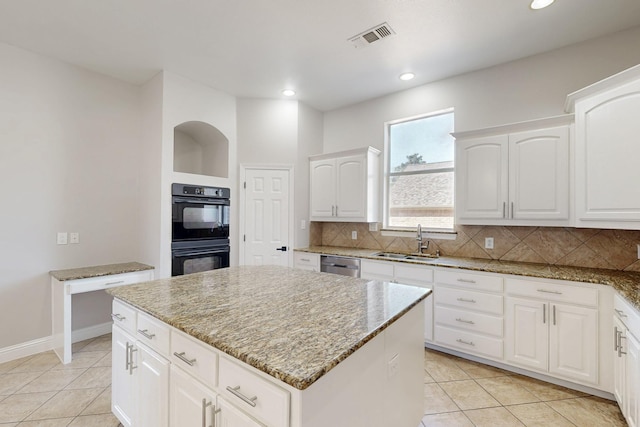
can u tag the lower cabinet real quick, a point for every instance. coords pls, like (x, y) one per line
(306, 261)
(626, 331)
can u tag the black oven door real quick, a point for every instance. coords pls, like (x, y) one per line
(197, 218)
(189, 260)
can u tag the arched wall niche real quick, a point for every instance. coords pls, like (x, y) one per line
(200, 148)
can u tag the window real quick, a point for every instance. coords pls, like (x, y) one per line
(419, 169)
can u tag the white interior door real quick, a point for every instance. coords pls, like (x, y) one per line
(266, 219)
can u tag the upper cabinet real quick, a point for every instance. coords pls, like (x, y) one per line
(607, 152)
(514, 175)
(344, 186)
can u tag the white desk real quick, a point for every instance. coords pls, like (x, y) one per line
(65, 283)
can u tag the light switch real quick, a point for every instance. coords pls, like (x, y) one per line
(488, 242)
(74, 238)
(62, 238)
(354, 235)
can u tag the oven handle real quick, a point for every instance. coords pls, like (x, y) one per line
(222, 202)
(204, 252)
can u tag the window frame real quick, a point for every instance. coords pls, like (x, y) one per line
(388, 174)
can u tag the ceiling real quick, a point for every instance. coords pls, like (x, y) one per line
(256, 48)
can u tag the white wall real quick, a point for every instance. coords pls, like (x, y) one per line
(69, 159)
(530, 88)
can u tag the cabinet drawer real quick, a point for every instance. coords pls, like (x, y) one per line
(470, 320)
(553, 292)
(469, 342)
(470, 280)
(376, 269)
(124, 316)
(629, 315)
(153, 333)
(106, 282)
(306, 261)
(411, 275)
(469, 300)
(258, 397)
(194, 357)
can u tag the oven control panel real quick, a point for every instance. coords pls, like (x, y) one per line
(192, 190)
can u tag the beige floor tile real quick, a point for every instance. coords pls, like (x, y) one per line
(39, 363)
(506, 391)
(546, 391)
(451, 419)
(52, 381)
(83, 360)
(104, 420)
(10, 383)
(92, 378)
(444, 369)
(493, 417)
(16, 407)
(66, 403)
(102, 343)
(56, 422)
(105, 361)
(478, 370)
(77, 346)
(102, 404)
(468, 395)
(15, 424)
(539, 415)
(589, 412)
(436, 400)
(7, 366)
(428, 378)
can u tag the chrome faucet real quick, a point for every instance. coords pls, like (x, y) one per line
(419, 239)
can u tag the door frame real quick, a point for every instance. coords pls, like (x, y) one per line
(241, 226)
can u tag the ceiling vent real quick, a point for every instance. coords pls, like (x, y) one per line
(371, 35)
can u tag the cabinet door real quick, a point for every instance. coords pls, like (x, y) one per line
(527, 333)
(191, 403)
(482, 178)
(351, 187)
(619, 360)
(573, 345)
(123, 392)
(632, 391)
(322, 181)
(230, 416)
(607, 153)
(152, 372)
(539, 174)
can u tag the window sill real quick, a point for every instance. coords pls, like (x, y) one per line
(427, 234)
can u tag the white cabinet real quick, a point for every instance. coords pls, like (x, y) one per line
(626, 332)
(407, 274)
(306, 261)
(607, 152)
(344, 186)
(123, 402)
(192, 403)
(546, 329)
(508, 175)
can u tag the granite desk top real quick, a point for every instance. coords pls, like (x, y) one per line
(292, 324)
(98, 271)
(626, 283)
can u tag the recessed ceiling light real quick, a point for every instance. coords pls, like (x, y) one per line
(407, 76)
(540, 4)
(288, 92)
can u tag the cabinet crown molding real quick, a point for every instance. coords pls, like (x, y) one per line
(621, 78)
(547, 122)
(355, 151)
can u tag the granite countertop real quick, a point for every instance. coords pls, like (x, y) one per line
(626, 283)
(292, 324)
(98, 271)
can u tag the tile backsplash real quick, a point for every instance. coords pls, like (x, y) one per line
(580, 247)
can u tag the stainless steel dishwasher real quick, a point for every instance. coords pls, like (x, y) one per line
(340, 265)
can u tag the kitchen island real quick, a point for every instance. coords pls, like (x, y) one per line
(273, 346)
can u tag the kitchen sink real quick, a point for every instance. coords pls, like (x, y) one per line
(392, 255)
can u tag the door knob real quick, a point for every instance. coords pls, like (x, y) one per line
(283, 249)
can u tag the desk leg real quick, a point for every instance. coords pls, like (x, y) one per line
(61, 320)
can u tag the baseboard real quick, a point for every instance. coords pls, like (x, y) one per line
(91, 332)
(25, 349)
(45, 344)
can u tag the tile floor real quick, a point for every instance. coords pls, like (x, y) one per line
(38, 391)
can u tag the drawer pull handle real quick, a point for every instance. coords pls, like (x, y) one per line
(119, 282)
(549, 292)
(466, 342)
(182, 357)
(620, 312)
(236, 392)
(118, 317)
(305, 259)
(471, 322)
(467, 300)
(205, 405)
(145, 333)
(467, 281)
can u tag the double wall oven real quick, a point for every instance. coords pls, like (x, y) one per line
(200, 234)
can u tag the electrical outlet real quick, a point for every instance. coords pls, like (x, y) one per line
(62, 238)
(373, 226)
(638, 251)
(74, 238)
(303, 224)
(488, 242)
(354, 235)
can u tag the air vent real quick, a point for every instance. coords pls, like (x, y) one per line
(371, 35)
